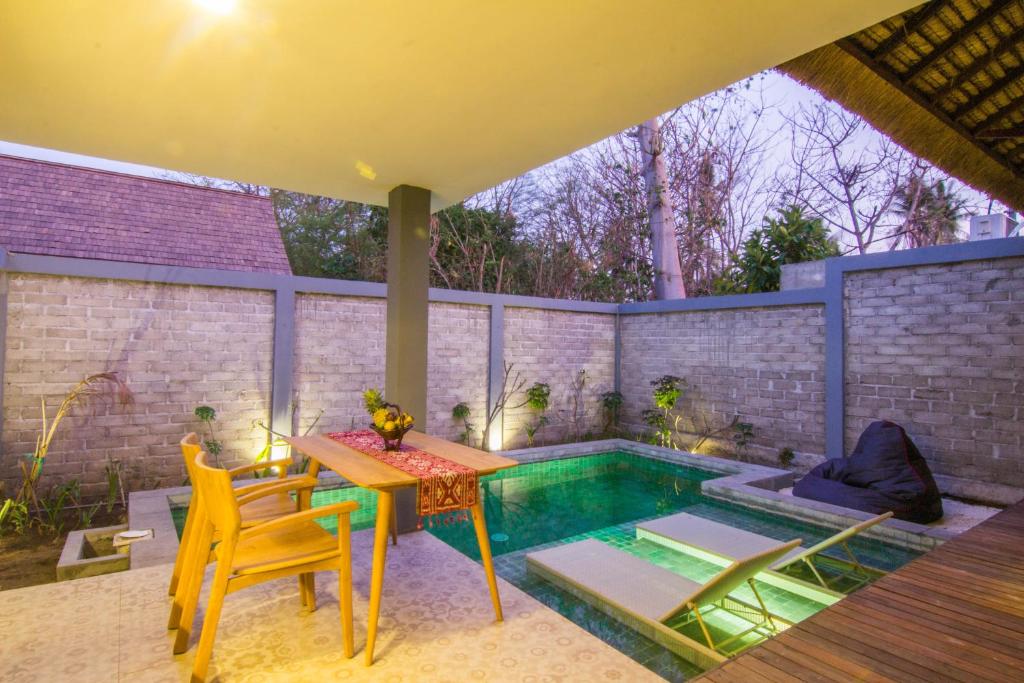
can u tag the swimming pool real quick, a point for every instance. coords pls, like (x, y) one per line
(604, 496)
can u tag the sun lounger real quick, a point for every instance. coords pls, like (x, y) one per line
(638, 592)
(730, 543)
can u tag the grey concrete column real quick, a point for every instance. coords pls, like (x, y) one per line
(835, 361)
(405, 369)
(284, 359)
(405, 373)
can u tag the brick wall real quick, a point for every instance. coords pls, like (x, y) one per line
(339, 352)
(457, 365)
(177, 347)
(940, 350)
(552, 346)
(935, 348)
(763, 366)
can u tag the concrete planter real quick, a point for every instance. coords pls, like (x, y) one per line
(90, 552)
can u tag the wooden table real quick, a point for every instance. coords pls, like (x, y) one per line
(368, 472)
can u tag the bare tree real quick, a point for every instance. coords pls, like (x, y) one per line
(668, 274)
(840, 174)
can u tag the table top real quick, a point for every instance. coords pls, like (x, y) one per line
(369, 472)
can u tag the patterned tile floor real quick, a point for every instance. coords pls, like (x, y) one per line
(436, 625)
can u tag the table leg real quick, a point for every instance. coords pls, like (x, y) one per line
(480, 524)
(380, 549)
(394, 528)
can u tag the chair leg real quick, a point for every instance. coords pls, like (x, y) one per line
(303, 597)
(189, 598)
(345, 583)
(703, 626)
(181, 590)
(765, 614)
(210, 619)
(193, 566)
(183, 545)
(310, 580)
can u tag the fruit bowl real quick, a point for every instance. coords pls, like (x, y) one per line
(391, 424)
(392, 438)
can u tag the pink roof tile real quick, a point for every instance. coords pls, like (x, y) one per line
(61, 210)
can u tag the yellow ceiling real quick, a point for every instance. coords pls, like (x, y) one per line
(349, 98)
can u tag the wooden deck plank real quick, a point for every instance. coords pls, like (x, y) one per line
(956, 613)
(809, 669)
(848, 634)
(925, 623)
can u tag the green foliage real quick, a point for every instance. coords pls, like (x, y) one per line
(115, 487)
(14, 515)
(332, 238)
(206, 413)
(460, 413)
(211, 444)
(52, 510)
(667, 390)
(931, 213)
(611, 406)
(665, 393)
(743, 434)
(786, 456)
(789, 238)
(479, 250)
(86, 513)
(538, 396)
(373, 400)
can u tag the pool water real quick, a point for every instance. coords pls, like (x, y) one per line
(539, 505)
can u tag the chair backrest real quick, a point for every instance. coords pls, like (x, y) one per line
(731, 578)
(190, 447)
(218, 496)
(836, 539)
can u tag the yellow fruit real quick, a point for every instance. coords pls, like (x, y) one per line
(406, 420)
(380, 416)
(389, 426)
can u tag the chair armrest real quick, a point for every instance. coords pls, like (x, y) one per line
(295, 518)
(264, 490)
(258, 484)
(283, 463)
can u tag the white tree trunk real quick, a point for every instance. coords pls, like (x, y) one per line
(668, 274)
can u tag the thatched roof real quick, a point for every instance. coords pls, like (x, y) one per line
(945, 80)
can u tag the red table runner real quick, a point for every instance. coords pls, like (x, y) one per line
(443, 485)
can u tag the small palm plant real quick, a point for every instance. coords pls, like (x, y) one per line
(213, 446)
(538, 398)
(101, 386)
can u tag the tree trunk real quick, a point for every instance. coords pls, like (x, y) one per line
(668, 274)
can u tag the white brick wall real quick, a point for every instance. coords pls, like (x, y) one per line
(765, 366)
(940, 350)
(457, 364)
(551, 346)
(176, 346)
(339, 352)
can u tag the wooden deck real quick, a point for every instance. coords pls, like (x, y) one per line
(955, 614)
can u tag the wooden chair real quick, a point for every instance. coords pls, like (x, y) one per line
(259, 510)
(284, 546)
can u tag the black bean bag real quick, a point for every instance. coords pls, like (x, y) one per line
(885, 472)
